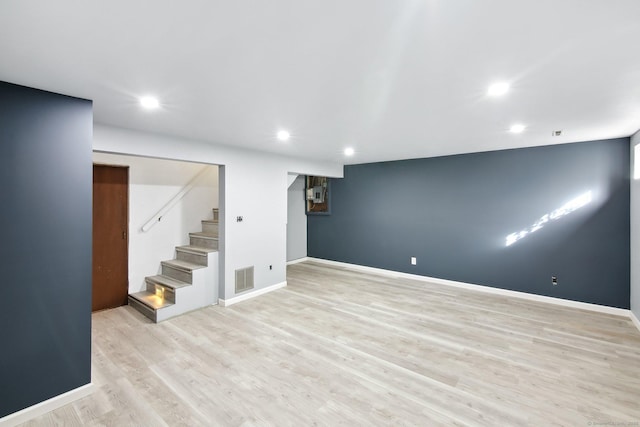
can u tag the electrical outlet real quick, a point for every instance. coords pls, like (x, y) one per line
(554, 280)
(414, 261)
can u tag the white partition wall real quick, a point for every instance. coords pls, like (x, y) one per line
(254, 188)
(296, 221)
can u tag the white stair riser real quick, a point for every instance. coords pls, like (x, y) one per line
(191, 257)
(177, 274)
(169, 294)
(203, 243)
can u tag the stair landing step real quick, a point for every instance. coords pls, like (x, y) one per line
(183, 265)
(198, 250)
(150, 300)
(167, 281)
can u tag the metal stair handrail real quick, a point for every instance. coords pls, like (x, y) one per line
(167, 207)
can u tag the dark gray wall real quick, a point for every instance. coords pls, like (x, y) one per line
(454, 213)
(45, 256)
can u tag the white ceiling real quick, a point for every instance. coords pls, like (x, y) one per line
(394, 79)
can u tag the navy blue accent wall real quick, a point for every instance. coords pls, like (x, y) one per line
(455, 214)
(45, 255)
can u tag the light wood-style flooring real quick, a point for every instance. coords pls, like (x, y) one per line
(341, 347)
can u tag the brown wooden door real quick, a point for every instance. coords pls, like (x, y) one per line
(110, 236)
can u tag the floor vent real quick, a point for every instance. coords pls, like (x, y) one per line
(244, 279)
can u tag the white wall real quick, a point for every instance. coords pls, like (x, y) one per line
(152, 183)
(635, 230)
(252, 185)
(296, 221)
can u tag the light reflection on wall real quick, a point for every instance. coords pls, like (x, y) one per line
(566, 209)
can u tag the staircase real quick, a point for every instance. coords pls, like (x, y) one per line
(188, 282)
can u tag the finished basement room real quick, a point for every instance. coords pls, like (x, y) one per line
(410, 213)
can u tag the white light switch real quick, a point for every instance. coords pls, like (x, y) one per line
(413, 260)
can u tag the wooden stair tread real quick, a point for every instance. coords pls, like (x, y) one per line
(198, 250)
(150, 300)
(203, 235)
(210, 221)
(168, 282)
(183, 265)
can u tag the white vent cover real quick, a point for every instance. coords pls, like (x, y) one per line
(244, 279)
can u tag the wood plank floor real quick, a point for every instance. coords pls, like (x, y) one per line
(341, 347)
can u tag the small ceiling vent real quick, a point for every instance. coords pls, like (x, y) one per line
(556, 133)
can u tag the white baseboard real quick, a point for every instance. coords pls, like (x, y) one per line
(634, 319)
(296, 261)
(246, 296)
(481, 288)
(46, 406)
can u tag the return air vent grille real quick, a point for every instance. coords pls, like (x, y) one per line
(244, 279)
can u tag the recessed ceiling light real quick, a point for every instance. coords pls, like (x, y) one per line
(349, 151)
(283, 135)
(517, 128)
(498, 89)
(149, 102)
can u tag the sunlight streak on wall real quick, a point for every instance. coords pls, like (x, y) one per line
(566, 209)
